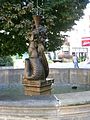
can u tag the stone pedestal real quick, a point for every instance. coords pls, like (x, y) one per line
(37, 87)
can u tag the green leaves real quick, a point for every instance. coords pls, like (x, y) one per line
(59, 15)
(6, 61)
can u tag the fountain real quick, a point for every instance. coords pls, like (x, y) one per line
(36, 66)
(37, 102)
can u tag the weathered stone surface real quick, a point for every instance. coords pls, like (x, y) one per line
(67, 76)
(37, 87)
(55, 107)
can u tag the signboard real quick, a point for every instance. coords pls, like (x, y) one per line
(79, 49)
(85, 41)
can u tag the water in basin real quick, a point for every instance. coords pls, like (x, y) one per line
(16, 92)
(68, 88)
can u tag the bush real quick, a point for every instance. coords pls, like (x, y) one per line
(6, 61)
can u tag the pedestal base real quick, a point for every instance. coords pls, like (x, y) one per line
(37, 87)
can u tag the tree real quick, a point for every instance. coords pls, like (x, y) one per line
(16, 21)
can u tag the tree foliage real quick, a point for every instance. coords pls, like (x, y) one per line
(16, 21)
(6, 61)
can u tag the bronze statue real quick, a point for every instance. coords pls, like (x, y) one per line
(36, 67)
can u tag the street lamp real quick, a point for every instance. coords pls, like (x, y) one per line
(36, 66)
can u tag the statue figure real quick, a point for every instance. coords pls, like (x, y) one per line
(36, 67)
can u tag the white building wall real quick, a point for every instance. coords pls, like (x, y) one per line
(82, 29)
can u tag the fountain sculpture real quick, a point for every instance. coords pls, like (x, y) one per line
(36, 66)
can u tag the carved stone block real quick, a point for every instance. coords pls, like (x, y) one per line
(38, 87)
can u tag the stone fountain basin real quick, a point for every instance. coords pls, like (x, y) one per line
(66, 106)
(14, 105)
(64, 103)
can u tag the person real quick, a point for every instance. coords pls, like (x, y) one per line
(75, 61)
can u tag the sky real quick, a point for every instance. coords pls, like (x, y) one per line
(82, 29)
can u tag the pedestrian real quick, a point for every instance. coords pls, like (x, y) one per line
(75, 61)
